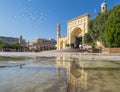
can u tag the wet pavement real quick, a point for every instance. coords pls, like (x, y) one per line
(59, 74)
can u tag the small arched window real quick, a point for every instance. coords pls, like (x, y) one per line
(103, 8)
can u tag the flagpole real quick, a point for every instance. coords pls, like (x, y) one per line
(94, 13)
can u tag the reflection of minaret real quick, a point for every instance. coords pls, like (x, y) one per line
(58, 73)
(60, 64)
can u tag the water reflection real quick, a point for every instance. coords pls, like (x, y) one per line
(21, 65)
(75, 73)
(59, 75)
(90, 76)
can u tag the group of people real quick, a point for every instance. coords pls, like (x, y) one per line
(80, 46)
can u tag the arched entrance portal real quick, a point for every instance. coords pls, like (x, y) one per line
(76, 37)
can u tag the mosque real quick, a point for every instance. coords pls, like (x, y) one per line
(76, 29)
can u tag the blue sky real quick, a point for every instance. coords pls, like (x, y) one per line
(38, 18)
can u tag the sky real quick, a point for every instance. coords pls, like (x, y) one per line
(38, 18)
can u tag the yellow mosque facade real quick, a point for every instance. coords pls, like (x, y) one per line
(76, 29)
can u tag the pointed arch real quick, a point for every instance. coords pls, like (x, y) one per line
(76, 34)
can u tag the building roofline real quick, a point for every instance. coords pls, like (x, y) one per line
(78, 17)
(8, 37)
(63, 36)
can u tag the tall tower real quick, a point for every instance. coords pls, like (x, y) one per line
(20, 40)
(103, 7)
(58, 34)
(58, 31)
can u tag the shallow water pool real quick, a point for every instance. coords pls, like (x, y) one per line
(59, 74)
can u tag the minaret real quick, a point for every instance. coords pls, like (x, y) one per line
(58, 34)
(20, 40)
(58, 31)
(103, 7)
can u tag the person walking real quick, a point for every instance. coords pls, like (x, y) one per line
(80, 46)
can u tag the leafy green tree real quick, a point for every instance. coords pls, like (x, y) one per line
(96, 29)
(105, 28)
(16, 46)
(99, 26)
(5, 45)
(88, 39)
(1, 42)
(112, 28)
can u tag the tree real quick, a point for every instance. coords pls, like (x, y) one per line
(88, 39)
(112, 29)
(1, 42)
(105, 28)
(5, 45)
(96, 29)
(16, 46)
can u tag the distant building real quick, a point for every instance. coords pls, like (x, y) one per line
(13, 39)
(9, 39)
(40, 44)
(22, 42)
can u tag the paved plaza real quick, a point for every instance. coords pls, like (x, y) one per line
(83, 56)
